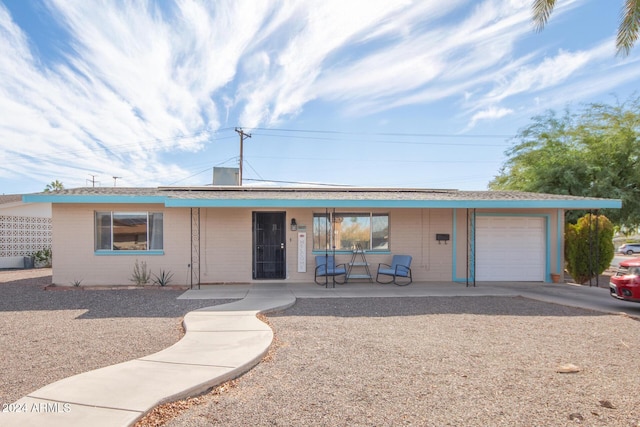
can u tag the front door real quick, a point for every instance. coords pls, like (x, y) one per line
(269, 261)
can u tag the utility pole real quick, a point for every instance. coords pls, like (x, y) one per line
(114, 179)
(242, 137)
(92, 180)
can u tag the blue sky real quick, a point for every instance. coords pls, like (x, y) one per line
(369, 93)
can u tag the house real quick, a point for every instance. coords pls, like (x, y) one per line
(232, 234)
(24, 229)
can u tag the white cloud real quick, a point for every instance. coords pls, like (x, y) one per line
(550, 72)
(137, 86)
(141, 79)
(442, 61)
(282, 87)
(489, 114)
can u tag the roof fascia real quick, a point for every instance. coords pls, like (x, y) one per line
(169, 201)
(437, 204)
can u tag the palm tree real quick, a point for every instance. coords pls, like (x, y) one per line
(54, 186)
(627, 30)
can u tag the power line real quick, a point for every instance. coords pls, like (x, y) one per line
(252, 168)
(300, 182)
(317, 138)
(114, 149)
(429, 135)
(383, 160)
(204, 170)
(136, 146)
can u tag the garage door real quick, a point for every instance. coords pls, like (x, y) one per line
(510, 248)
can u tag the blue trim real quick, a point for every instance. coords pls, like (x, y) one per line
(454, 273)
(454, 247)
(441, 204)
(128, 253)
(169, 201)
(559, 239)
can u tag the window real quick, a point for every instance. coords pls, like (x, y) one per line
(129, 231)
(347, 230)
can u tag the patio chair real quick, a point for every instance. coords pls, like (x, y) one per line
(400, 268)
(326, 267)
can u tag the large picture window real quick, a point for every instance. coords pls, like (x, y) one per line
(129, 231)
(346, 231)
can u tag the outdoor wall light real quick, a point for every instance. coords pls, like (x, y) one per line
(294, 225)
(442, 238)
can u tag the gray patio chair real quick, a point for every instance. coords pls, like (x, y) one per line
(400, 268)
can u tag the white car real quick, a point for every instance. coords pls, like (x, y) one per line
(629, 248)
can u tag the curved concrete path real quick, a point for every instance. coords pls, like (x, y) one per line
(224, 341)
(220, 343)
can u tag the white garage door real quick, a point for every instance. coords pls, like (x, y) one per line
(510, 248)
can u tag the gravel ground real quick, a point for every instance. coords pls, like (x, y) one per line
(482, 361)
(50, 335)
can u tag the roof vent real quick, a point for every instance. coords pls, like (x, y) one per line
(226, 176)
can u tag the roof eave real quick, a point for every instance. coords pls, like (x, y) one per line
(435, 204)
(187, 202)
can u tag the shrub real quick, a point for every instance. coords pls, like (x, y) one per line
(588, 255)
(43, 257)
(163, 279)
(141, 275)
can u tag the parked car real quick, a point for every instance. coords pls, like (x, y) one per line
(629, 248)
(625, 284)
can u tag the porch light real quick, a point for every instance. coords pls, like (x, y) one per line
(294, 225)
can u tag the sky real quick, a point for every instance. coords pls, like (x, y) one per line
(389, 93)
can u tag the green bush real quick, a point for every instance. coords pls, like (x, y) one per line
(163, 279)
(578, 247)
(43, 257)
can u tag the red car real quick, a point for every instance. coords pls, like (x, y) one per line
(625, 284)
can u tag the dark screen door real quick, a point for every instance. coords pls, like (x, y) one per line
(269, 245)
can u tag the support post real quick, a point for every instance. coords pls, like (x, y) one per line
(471, 247)
(195, 247)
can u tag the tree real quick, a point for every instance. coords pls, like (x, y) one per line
(627, 30)
(592, 153)
(54, 186)
(588, 247)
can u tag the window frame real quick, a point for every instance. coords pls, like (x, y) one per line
(111, 251)
(328, 223)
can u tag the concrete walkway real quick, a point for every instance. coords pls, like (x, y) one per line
(220, 343)
(224, 341)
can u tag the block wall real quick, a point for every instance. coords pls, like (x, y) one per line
(23, 235)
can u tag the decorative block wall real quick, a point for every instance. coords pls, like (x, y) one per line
(23, 235)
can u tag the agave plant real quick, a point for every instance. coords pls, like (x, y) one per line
(163, 279)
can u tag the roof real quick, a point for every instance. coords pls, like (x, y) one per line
(319, 197)
(10, 198)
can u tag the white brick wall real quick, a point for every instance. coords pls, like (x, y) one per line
(23, 235)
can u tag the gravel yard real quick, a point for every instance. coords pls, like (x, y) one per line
(50, 335)
(472, 361)
(484, 361)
